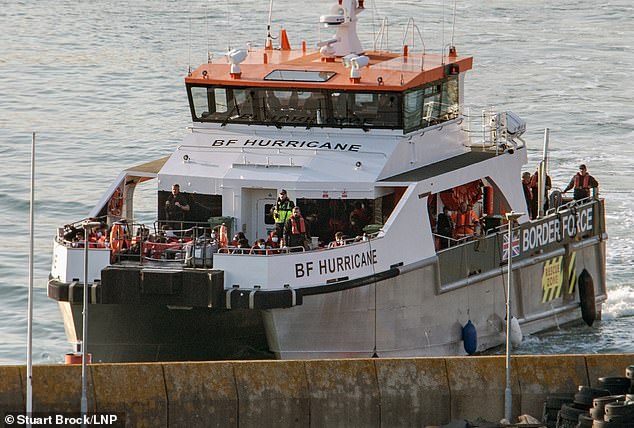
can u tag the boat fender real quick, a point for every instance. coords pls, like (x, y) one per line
(516, 332)
(470, 338)
(586, 297)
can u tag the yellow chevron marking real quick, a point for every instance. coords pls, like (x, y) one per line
(572, 273)
(552, 279)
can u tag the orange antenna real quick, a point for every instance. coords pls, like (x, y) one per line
(285, 45)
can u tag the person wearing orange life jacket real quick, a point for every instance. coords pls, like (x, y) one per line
(465, 221)
(534, 206)
(296, 230)
(338, 242)
(582, 183)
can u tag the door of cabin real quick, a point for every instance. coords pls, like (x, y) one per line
(264, 216)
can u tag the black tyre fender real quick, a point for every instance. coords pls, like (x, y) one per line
(586, 298)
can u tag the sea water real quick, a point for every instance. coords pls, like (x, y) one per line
(102, 85)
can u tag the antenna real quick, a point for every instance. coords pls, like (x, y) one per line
(268, 44)
(228, 29)
(374, 25)
(207, 30)
(453, 25)
(442, 50)
(189, 46)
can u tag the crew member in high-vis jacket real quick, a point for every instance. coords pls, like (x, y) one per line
(282, 211)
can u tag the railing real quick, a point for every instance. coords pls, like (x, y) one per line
(495, 133)
(162, 244)
(481, 253)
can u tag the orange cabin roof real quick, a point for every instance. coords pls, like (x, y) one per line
(397, 72)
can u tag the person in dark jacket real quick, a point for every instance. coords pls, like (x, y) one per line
(444, 227)
(528, 196)
(176, 205)
(296, 232)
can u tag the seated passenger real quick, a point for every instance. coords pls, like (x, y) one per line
(242, 247)
(273, 241)
(237, 238)
(338, 242)
(259, 247)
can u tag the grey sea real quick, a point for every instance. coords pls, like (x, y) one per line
(102, 84)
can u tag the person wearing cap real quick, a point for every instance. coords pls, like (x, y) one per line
(282, 211)
(582, 182)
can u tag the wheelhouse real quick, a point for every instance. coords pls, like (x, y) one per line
(409, 110)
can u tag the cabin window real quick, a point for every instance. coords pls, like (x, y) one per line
(431, 105)
(201, 207)
(296, 107)
(200, 102)
(300, 75)
(220, 100)
(449, 105)
(413, 110)
(418, 108)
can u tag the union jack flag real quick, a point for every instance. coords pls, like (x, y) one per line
(515, 245)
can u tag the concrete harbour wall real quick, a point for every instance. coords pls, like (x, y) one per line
(317, 393)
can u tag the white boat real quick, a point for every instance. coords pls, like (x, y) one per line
(369, 143)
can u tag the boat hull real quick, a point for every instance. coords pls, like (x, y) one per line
(137, 333)
(409, 314)
(412, 314)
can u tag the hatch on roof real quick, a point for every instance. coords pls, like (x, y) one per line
(299, 75)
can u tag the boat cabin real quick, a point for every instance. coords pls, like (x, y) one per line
(295, 89)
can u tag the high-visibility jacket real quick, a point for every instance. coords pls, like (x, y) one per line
(283, 210)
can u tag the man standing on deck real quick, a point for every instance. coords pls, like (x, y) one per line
(526, 186)
(176, 205)
(535, 194)
(582, 183)
(464, 221)
(282, 211)
(296, 231)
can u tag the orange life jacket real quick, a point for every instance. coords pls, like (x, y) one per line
(223, 238)
(579, 184)
(464, 223)
(302, 226)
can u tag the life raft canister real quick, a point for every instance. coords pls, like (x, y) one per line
(587, 298)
